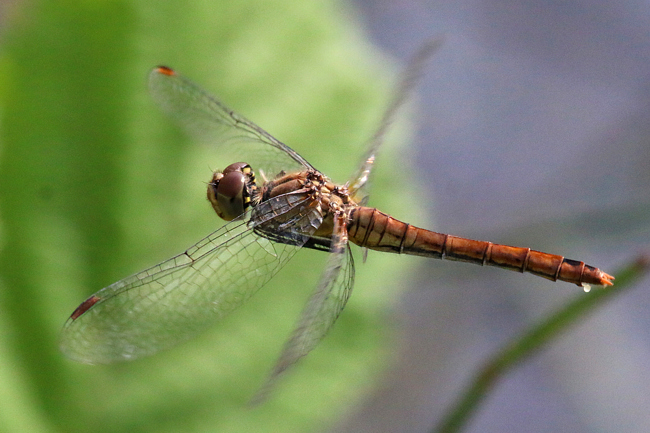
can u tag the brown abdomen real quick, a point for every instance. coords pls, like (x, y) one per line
(373, 229)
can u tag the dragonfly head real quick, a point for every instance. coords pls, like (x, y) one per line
(232, 190)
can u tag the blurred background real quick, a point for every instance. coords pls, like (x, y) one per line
(533, 130)
(530, 127)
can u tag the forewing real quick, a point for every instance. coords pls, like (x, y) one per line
(323, 308)
(358, 182)
(180, 297)
(235, 138)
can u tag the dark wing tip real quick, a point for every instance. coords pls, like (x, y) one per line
(84, 306)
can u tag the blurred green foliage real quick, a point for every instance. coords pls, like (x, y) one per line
(95, 184)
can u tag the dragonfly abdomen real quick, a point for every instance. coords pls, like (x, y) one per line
(373, 229)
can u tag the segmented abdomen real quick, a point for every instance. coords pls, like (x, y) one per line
(373, 229)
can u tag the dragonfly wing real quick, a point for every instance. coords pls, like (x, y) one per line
(357, 185)
(180, 297)
(235, 137)
(322, 309)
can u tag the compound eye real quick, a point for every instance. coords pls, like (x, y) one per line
(230, 191)
(237, 166)
(227, 195)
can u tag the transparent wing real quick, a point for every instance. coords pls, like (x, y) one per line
(322, 309)
(180, 297)
(234, 137)
(358, 182)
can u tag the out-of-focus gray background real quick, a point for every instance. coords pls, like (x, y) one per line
(534, 130)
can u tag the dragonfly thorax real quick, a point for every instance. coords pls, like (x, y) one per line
(325, 197)
(232, 190)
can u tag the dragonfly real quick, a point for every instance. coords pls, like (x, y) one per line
(275, 203)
